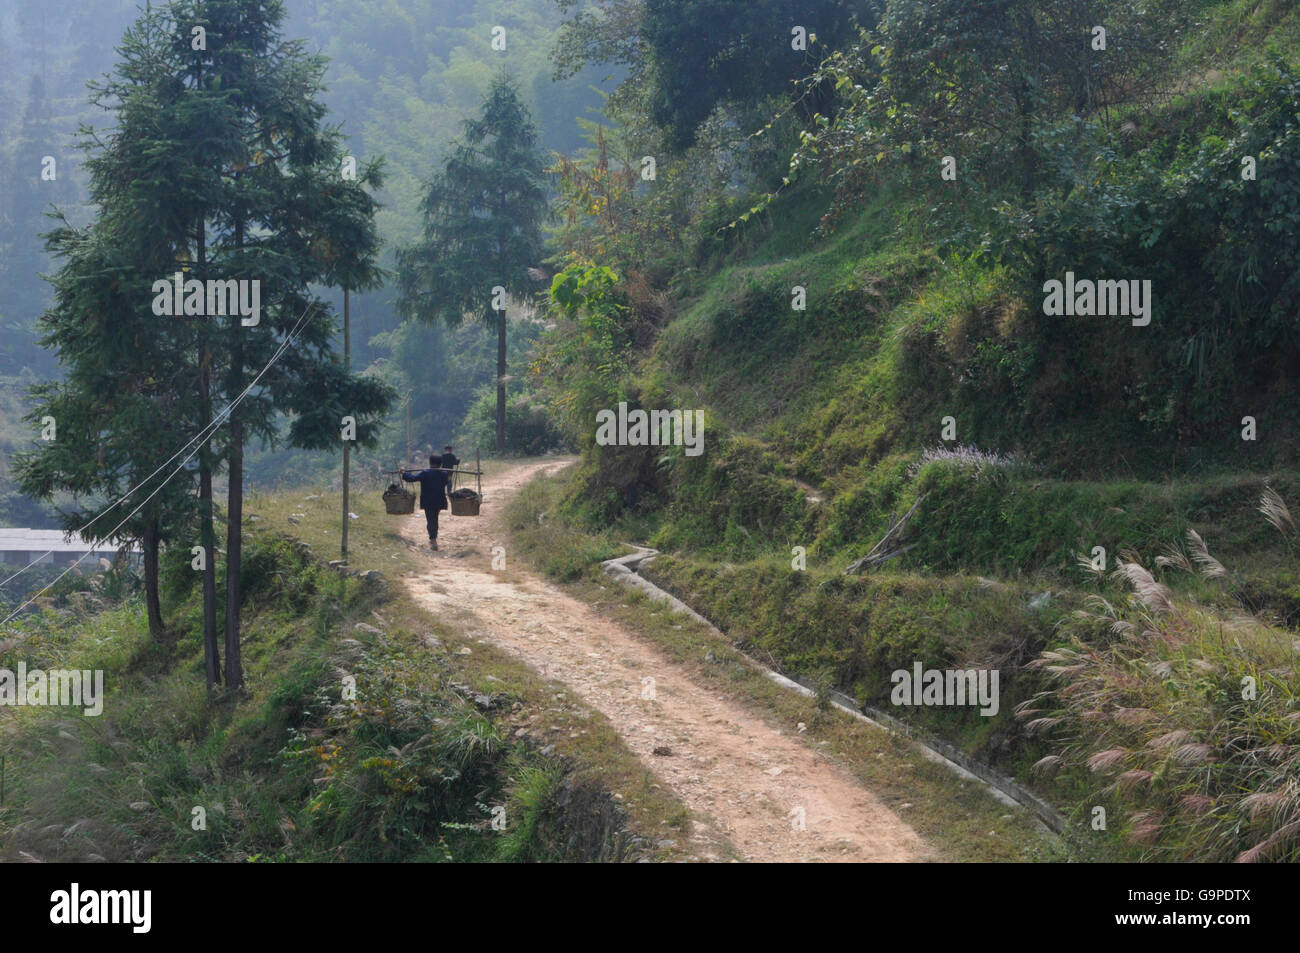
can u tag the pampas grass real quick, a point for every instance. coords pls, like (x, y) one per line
(1189, 712)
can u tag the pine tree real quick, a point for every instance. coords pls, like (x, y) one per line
(483, 216)
(118, 384)
(219, 167)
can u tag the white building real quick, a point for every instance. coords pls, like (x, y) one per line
(53, 547)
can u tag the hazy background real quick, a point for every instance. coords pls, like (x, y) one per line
(403, 75)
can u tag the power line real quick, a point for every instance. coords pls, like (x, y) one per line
(203, 435)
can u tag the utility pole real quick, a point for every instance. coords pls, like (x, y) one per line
(347, 444)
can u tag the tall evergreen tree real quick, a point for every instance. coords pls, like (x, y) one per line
(483, 218)
(219, 167)
(285, 215)
(119, 383)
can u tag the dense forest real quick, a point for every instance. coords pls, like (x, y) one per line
(884, 336)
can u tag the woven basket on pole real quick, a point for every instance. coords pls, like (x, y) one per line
(399, 502)
(465, 503)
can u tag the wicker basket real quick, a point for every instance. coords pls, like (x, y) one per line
(398, 501)
(465, 505)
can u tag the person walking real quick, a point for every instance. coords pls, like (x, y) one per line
(450, 462)
(433, 494)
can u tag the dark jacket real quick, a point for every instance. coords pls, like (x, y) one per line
(450, 461)
(433, 487)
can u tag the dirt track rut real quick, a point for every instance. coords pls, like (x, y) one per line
(743, 779)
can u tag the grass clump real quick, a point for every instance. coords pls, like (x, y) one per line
(1184, 720)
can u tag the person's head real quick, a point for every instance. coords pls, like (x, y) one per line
(446, 449)
(435, 461)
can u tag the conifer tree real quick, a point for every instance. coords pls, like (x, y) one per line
(116, 415)
(286, 215)
(220, 168)
(483, 227)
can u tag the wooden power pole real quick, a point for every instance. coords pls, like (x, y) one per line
(410, 448)
(347, 444)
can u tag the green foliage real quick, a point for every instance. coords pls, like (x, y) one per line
(531, 428)
(538, 524)
(977, 82)
(851, 633)
(925, 301)
(597, 199)
(534, 789)
(1246, 231)
(683, 72)
(399, 765)
(582, 365)
(120, 411)
(902, 337)
(482, 235)
(483, 215)
(656, 224)
(265, 201)
(289, 771)
(274, 571)
(730, 499)
(1073, 193)
(401, 77)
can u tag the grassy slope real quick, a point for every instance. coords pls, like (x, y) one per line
(291, 772)
(960, 819)
(845, 395)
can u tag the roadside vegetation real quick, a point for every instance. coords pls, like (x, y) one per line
(443, 731)
(1047, 462)
(959, 818)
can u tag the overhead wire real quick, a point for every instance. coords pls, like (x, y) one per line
(205, 434)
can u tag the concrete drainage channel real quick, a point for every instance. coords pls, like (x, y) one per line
(625, 569)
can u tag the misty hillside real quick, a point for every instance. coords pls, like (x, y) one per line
(874, 431)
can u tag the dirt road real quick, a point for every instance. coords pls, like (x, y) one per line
(755, 784)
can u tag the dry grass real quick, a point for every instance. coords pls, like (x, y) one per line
(1186, 716)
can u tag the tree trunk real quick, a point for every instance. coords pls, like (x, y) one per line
(235, 498)
(153, 605)
(234, 554)
(501, 383)
(208, 540)
(347, 456)
(207, 534)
